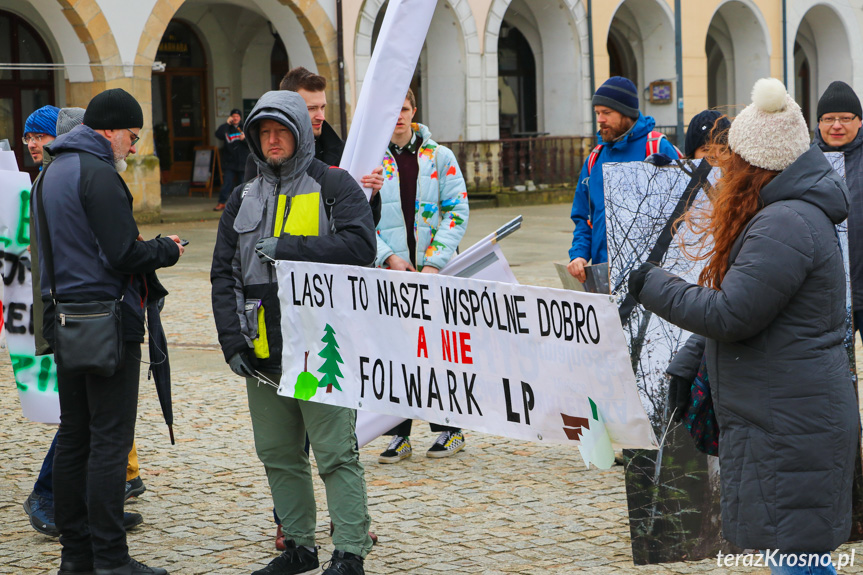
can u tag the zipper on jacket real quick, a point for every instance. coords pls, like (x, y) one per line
(276, 191)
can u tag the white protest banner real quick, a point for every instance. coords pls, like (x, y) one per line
(483, 260)
(518, 361)
(35, 377)
(386, 84)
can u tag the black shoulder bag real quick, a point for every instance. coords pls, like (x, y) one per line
(88, 336)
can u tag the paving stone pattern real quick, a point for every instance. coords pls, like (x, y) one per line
(501, 506)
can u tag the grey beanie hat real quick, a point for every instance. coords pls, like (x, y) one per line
(68, 118)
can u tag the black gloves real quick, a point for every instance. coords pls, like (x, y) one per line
(266, 249)
(679, 395)
(241, 364)
(637, 278)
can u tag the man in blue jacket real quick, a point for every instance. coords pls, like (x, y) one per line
(625, 135)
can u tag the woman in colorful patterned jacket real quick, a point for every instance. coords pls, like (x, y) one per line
(424, 215)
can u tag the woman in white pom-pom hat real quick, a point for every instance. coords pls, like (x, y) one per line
(770, 308)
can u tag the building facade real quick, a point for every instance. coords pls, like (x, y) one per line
(490, 69)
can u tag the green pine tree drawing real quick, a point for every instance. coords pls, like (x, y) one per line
(332, 359)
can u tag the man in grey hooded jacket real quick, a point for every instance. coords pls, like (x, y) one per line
(281, 214)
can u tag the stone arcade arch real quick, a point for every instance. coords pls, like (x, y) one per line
(822, 54)
(644, 32)
(557, 35)
(738, 54)
(22, 91)
(310, 21)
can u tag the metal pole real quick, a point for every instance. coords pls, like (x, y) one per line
(343, 105)
(592, 73)
(678, 49)
(784, 44)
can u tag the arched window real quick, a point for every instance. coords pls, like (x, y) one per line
(279, 62)
(516, 69)
(180, 109)
(22, 91)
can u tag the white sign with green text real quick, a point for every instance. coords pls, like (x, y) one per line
(35, 377)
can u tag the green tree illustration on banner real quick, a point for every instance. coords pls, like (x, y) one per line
(332, 359)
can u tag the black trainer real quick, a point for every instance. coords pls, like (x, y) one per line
(344, 563)
(76, 567)
(134, 488)
(132, 568)
(398, 449)
(448, 443)
(41, 513)
(294, 561)
(131, 520)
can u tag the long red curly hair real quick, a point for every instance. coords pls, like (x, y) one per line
(734, 201)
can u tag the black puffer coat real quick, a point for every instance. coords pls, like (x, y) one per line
(779, 373)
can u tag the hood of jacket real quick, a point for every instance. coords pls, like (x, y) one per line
(811, 178)
(82, 139)
(849, 147)
(289, 109)
(422, 131)
(643, 125)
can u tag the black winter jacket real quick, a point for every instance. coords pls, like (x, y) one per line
(88, 209)
(853, 152)
(779, 373)
(234, 150)
(238, 276)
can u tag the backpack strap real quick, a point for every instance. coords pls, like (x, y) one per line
(328, 190)
(591, 159)
(654, 140)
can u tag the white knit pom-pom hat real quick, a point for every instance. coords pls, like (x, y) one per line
(771, 132)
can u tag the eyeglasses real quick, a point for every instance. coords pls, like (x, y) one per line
(135, 137)
(830, 120)
(33, 138)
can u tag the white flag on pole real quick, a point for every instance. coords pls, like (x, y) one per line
(386, 84)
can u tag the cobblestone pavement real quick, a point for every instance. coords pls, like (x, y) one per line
(500, 506)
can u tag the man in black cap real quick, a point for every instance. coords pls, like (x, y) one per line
(839, 122)
(96, 253)
(234, 154)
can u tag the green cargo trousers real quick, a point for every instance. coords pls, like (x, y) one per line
(280, 425)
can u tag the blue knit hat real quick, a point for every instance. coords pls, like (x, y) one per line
(42, 121)
(619, 94)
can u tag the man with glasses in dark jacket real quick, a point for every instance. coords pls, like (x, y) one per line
(97, 255)
(839, 122)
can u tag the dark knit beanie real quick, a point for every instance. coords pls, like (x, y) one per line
(42, 121)
(619, 94)
(839, 97)
(701, 129)
(114, 109)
